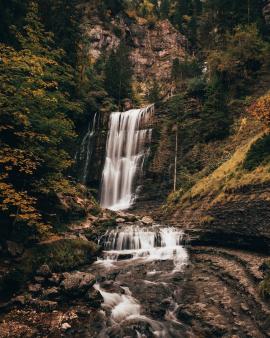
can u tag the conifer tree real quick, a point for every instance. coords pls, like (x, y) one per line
(118, 74)
(165, 8)
(215, 121)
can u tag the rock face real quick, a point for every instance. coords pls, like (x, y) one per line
(240, 219)
(152, 48)
(266, 12)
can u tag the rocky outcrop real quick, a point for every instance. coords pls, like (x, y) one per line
(266, 12)
(238, 218)
(152, 47)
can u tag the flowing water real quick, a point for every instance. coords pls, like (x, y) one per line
(87, 147)
(139, 278)
(125, 153)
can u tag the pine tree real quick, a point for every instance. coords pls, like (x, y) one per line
(154, 94)
(118, 74)
(165, 8)
(215, 120)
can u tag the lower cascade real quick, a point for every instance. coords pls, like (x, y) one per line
(144, 265)
(125, 154)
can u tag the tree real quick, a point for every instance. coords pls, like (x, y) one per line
(165, 8)
(260, 109)
(215, 121)
(64, 24)
(36, 124)
(241, 57)
(11, 11)
(118, 74)
(154, 94)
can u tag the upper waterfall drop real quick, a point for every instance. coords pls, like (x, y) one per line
(125, 154)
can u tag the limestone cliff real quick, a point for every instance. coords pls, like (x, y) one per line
(153, 47)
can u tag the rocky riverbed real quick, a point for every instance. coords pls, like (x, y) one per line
(146, 283)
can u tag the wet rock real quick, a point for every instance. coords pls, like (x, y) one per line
(14, 249)
(83, 237)
(124, 256)
(83, 312)
(55, 279)
(112, 287)
(95, 298)
(77, 283)
(147, 220)
(34, 288)
(39, 279)
(50, 293)
(44, 305)
(184, 315)
(19, 300)
(126, 216)
(44, 271)
(65, 326)
(244, 307)
(120, 220)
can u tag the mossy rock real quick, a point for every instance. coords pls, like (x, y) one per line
(106, 223)
(61, 255)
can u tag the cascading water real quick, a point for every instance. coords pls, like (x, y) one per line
(86, 148)
(151, 243)
(145, 268)
(125, 154)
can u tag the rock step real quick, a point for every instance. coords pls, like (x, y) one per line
(249, 261)
(215, 310)
(233, 275)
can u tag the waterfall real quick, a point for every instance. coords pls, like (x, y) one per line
(86, 148)
(149, 243)
(125, 154)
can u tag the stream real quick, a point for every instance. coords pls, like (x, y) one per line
(139, 276)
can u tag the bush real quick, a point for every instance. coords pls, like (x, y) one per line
(259, 153)
(197, 88)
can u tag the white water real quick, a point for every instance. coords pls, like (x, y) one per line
(149, 244)
(125, 154)
(142, 247)
(86, 149)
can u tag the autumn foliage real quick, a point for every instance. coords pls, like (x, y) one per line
(260, 109)
(36, 126)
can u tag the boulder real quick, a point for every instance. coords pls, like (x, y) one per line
(95, 298)
(77, 283)
(65, 326)
(44, 305)
(50, 293)
(44, 271)
(120, 220)
(147, 220)
(39, 279)
(14, 249)
(19, 300)
(34, 288)
(55, 279)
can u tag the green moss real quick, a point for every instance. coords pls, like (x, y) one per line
(264, 287)
(60, 255)
(205, 220)
(259, 153)
(106, 223)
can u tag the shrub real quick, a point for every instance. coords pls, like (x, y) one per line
(258, 154)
